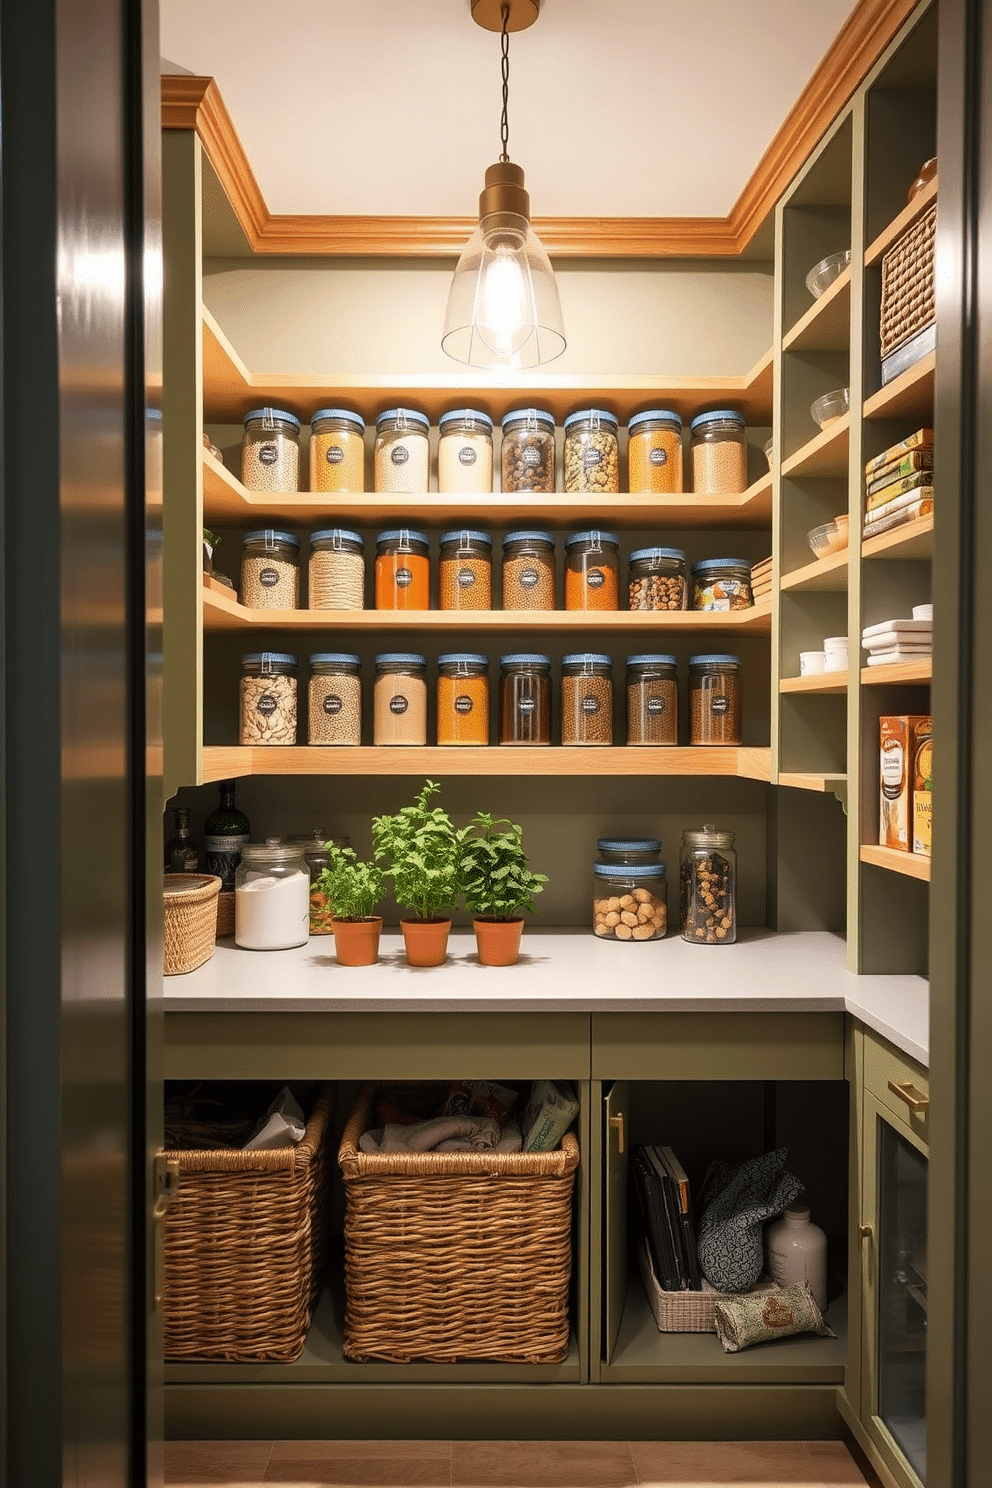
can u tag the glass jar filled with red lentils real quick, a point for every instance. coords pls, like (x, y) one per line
(402, 570)
(654, 451)
(592, 566)
(465, 571)
(462, 698)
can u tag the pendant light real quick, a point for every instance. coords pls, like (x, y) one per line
(503, 308)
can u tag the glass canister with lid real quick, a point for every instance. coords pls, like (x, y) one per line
(656, 579)
(334, 698)
(399, 698)
(525, 698)
(708, 887)
(527, 455)
(592, 567)
(652, 699)
(462, 698)
(270, 570)
(630, 901)
(402, 570)
(715, 699)
(270, 450)
(337, 451)
(722, 584)
(271, 896)
(465, 452)
(592, 453)
(337, 570)
(718, 453)
(587, 698)
(402, 451)
(654, 451)
(315, 845)
(529, 571)
(465, 571)
(268, 698)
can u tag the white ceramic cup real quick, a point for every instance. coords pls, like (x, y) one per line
(923, 612)
(811, 663)
(835, 654)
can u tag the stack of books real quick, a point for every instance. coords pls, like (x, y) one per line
(898, 640)
(761, 580)
(663, 1194)
(899, 483)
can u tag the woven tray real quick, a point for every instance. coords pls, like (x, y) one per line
(908, 304)
(189, 927)
(685, 1312)
(244, 1248)
(456, 1255)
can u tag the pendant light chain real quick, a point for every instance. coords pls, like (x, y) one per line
(504, 127)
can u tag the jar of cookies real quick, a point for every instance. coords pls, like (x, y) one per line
(630, 902)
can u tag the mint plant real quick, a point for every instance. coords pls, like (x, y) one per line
(352, 888)
(495, 879)
(420, 847)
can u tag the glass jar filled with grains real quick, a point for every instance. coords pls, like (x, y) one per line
(527, 455)
(315, 845)
(465, 571)
(335, 698)
(630, 902)
(270, 450)
(722, 584)
(656, 579)
(718, 453)
(402, 570)
(714, 699)
(652, 700)
(708, 887)
(268, 698)
(654, 451)
(587, 698)
(529, 571)
(465, 451)
(337, 451)
(462, 698)
(402, 451)
(270, 570)
(633, 851)
(592, 565)
(399, 698)
(337, 570)
(525, 698)
(592, 452)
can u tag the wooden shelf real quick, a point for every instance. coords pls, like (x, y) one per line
(813, 781)
(908, 396)
(826, 326)
(911, 540)
(825, 455)
(898, 225)
(829, 682)
(896, 672)
(822, 576)
(912, 865)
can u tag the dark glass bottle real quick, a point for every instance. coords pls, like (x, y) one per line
(225, 832)
(181, 852)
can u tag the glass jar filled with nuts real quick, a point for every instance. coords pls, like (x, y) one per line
(656, 579)
(630, 902)
(268, 698)
(708, 887)
(527, 456)
(592, 453)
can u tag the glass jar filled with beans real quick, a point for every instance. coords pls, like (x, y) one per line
(462, 698)
(592, 564)
(632, 851)
(270, 450)
(402, 451)
(529, 571)
(337, 570)
(527, 456)
(652, 700)
(592, 452)
(718, 453)
(402, 570)
(656, 579)
(465, 451)
(465, 571)
(630, 902)
(654, 451)
(587, 698)
(337, 451)
(335, 699)
(270, 570)
(525, 698)
(714, 699)
(399, 698)
(722, 584)
(708, 887)
(268, 698)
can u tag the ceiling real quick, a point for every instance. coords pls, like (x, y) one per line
(618, 108)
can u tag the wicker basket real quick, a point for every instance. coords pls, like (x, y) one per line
(908, 304)
(225, 913)
(685, 1312)
(456, 1255)
(244, 1248)
(190, 921)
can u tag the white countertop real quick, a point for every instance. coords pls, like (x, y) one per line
(567, 971)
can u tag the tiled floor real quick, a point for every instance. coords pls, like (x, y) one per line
(500, 1464)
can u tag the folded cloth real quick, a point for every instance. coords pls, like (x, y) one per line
(440, 1134)
(510, 1141)
(283, 1124)
(741, 1321)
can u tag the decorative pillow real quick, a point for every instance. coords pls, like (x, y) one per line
(741, 1321)
(735, 1201)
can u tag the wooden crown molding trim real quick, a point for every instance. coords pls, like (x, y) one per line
(195, 103)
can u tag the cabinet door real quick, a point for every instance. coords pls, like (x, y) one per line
(615, 1144)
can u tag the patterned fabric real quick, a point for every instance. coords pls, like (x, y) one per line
(741, 1321)
(735, 1202)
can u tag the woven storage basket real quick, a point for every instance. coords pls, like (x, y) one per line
(685, 1312)
(908, 304)
(225, 913)
(190, 921)
(456, 1255)
(244, 1247)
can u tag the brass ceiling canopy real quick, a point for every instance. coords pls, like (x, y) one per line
(488, 14)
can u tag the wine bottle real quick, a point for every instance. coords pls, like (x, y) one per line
(181, 852)
(225, 832)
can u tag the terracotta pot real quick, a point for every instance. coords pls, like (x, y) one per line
(498, 941)
(426, 941)
(356, 942)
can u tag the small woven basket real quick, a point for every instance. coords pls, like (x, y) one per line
(244, 1247)
(190, 921)
(225, 913)
(685, 1312)
(908, 304)
(456, 1255)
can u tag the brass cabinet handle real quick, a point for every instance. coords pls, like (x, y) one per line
(907, 1091)
(865, 1232)
(617, 1121)
(166, 1180)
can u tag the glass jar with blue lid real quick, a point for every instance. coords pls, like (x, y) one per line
(718, 453)
(268, 698)
(652, 699)
(525, 698)
(529, 581)
(337, 451)
(656, 579)
(654, 451)
(587, 698)
(592, 452)
(639, 852)
(270, 570)
(527, 454)
(270, 450)
(722, 584)
(630, 901)
(465, 452)
(715, 703)
(402, 451)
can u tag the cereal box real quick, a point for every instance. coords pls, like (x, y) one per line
(922, 754)
(898, 749)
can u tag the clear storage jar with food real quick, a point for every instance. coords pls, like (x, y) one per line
(335, 698)
(525, 698)
(708, 887)
(656, 579)
(592, 571)
(271, 896)
(631, 852)
(465, 452)
(718, 453)
(722, 584)
(337, 451)
(402, 570)
(654, 451)
(270, 450)
(587, 698)
(529, 581)
(270, 570)
(462, 698)
(527, 454)
(715, 699)
(268, 698)
(399, 698)
(337, 570)
(402, 451)
(465, 571)
(630, 902)
(315, 845)
(652, 700)
(592, 453)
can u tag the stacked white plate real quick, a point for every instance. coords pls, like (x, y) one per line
(900, 640)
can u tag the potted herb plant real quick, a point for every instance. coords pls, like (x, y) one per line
(352, 890)
(498, 886)
(420, 847)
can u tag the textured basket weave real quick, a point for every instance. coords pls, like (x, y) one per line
(456, 1255)
(244, 1248)
(225, 913)
(685, 1312)
(908, 305)
(190, 921)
